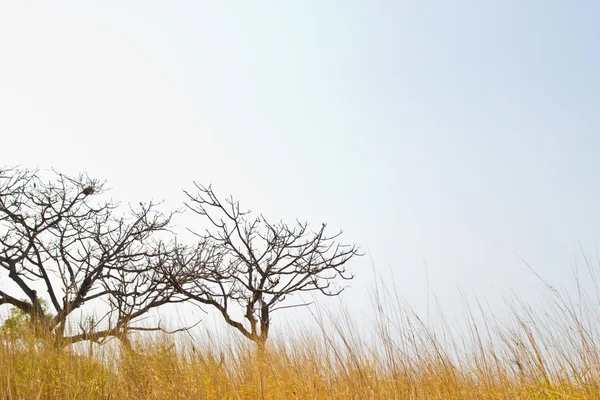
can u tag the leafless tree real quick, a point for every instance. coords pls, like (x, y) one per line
(246, 267)
(85, 254)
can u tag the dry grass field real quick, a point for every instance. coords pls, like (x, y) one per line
(552, 353)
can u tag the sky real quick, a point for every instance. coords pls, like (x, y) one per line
(450, 140)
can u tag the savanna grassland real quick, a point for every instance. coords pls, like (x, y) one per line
(552, 353)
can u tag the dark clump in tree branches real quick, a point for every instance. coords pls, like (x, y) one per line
(247, 268)
(57, 237)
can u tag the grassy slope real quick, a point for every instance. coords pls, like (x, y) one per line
(553, 354)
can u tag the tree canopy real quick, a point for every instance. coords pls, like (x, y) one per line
(103, 266)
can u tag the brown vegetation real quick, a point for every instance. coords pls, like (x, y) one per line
(549, 355)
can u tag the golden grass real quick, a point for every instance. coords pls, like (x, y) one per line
(549, 354)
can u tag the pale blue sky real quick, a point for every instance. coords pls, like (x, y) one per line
(458, 132)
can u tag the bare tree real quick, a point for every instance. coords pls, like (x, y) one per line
(85, 254)
(246, 267)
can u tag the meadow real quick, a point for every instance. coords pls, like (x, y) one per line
(519, 352)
